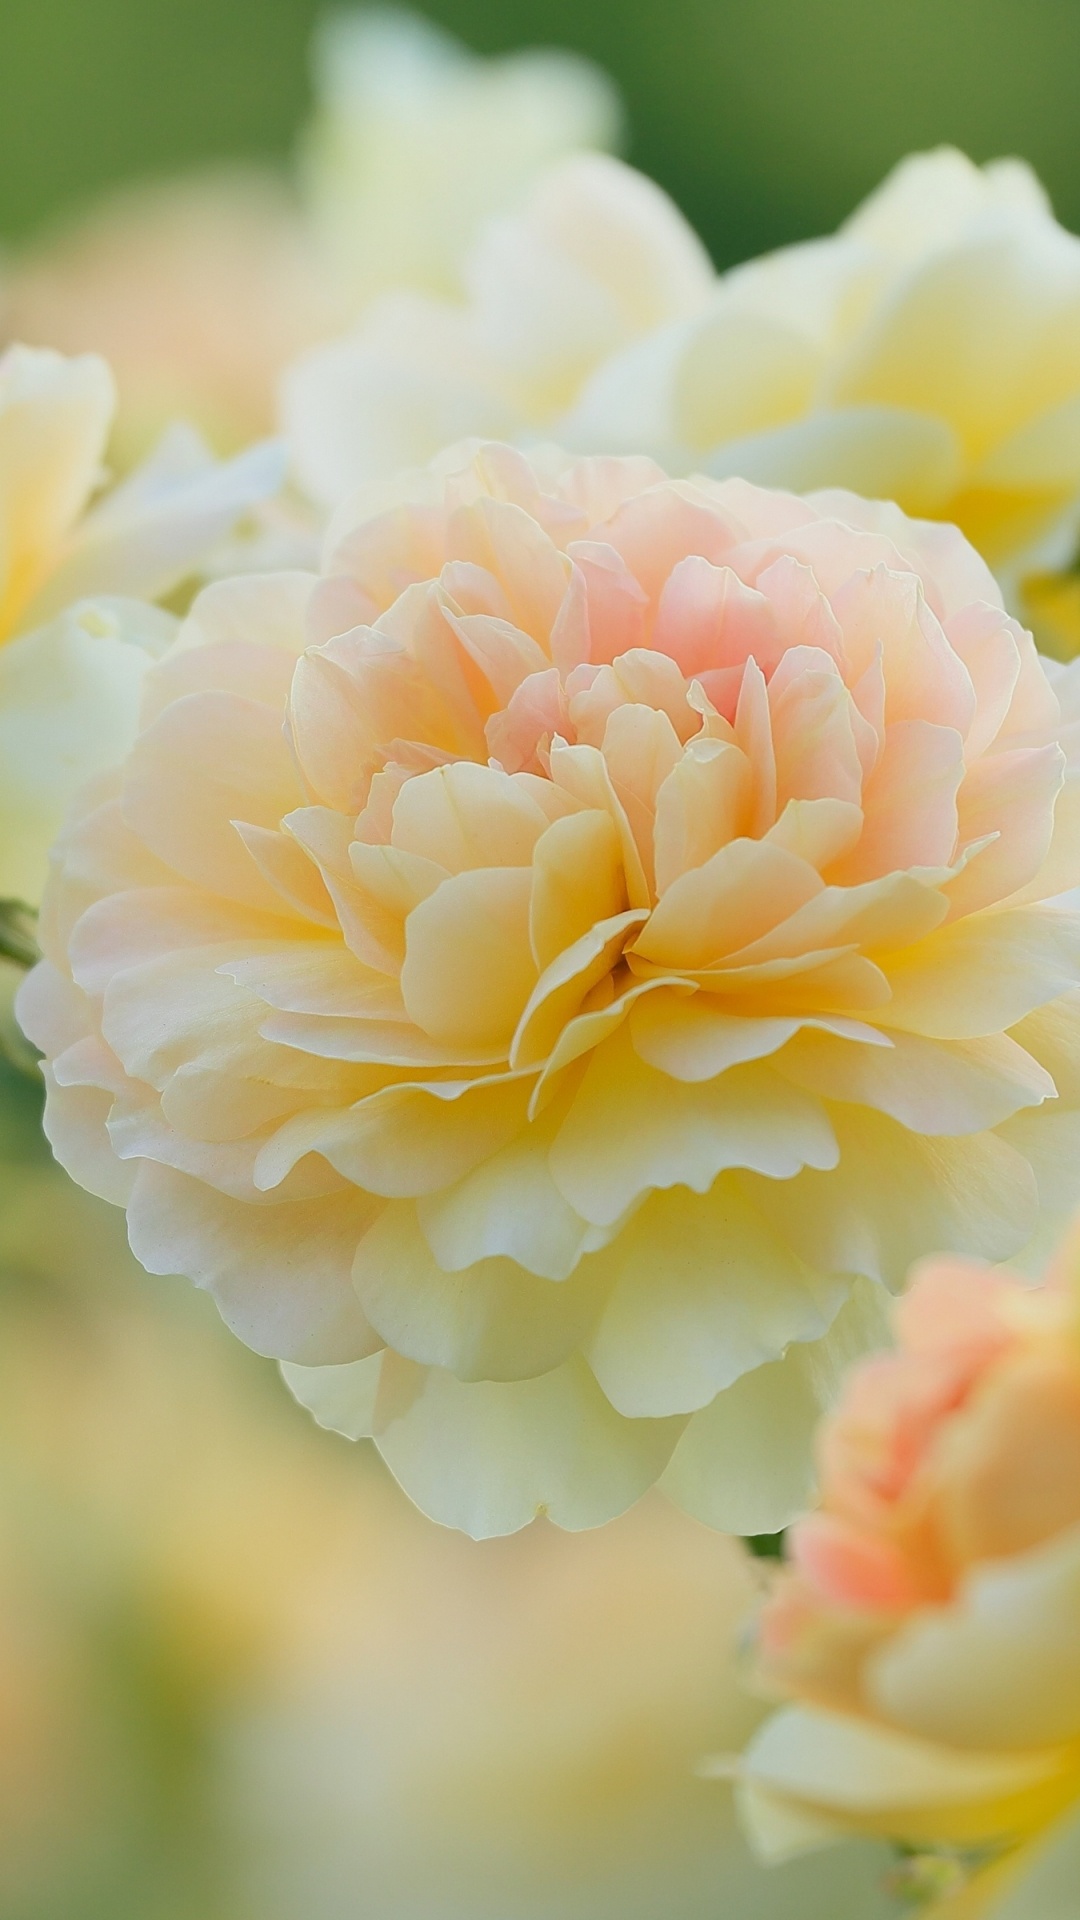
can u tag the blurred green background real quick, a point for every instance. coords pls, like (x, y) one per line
(767, 119)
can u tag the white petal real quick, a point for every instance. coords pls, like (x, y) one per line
(704, 1291)
(491, 1321)
(281, 1275)
(152, 532)
(69, 706)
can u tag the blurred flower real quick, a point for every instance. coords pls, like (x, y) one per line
(239, 1675)
(196, 291)
(1052, 601)
(199, 290)
(928, 353)
(637, 954)
(597, 258)
(929, 1626)
(71, 664)
(415, 142)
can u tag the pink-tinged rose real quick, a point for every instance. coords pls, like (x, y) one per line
(927, 1628)
(552, 973)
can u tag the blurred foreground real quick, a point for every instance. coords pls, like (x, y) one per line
(240, 1676)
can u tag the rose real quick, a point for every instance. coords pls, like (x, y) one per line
(928, 1626)
(635, 955)
(196, 290)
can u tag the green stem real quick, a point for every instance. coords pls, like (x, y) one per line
(766, 1546)
(17, 941)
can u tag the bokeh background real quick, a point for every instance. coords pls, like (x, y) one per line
(767, 119)
(240, 1679)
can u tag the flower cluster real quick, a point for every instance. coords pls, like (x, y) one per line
(633, 952)
(551, 894)
(928, 353)
(928, 1625)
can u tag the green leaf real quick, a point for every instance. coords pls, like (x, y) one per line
(17, 933)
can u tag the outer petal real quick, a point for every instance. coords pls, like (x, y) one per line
(983, 974)
(343, 1398)
(509, 1205)
(829, 1774)
(1000, 1668)
(75, 1127)
(490, 1321)
(281, 1275)
(894, 1193)
(151, 532)
(55, 416)
(745, 1462)
(704, 1292)
(488, 1457)
(891, 453)
(930, 1086)
(208, 761)
(631, 1128)
(69, 704)
(409, 381)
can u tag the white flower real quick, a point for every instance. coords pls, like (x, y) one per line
(70, 661)
(416, 142)
(928, 352)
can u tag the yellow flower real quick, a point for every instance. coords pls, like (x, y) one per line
(928, 1629)
(71, 661)
(635, 954)
(928, 353)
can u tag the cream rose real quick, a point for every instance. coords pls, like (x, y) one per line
(928, 1629)
(632, 954)
(929, 352)
(71, 661)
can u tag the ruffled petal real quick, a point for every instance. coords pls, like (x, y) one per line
(488, 1457)
(733, 1297)
(745, 1462)
(489, 1321)
(281, 1275)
